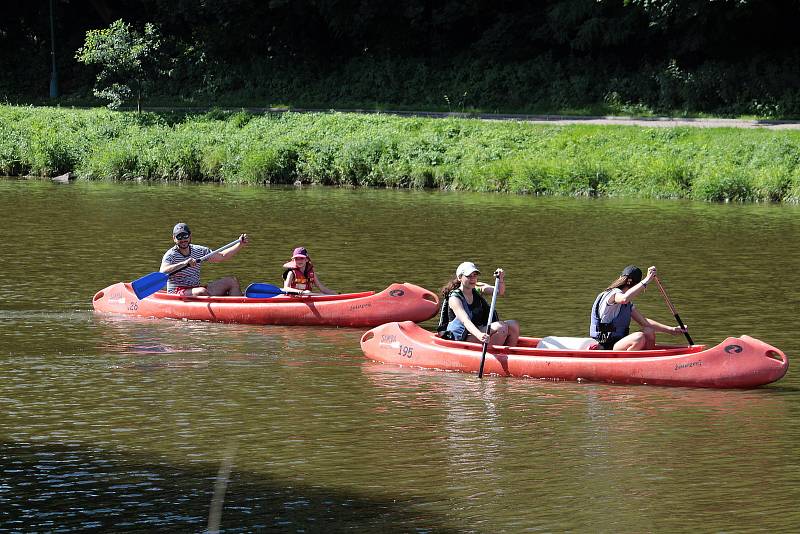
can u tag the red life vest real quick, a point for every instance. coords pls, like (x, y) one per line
(302, 280)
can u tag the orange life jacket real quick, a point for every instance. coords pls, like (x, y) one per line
(302, 280)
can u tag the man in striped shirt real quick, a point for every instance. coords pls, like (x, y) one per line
(182, 261)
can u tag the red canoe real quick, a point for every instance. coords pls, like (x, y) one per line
(737, 362)
(398, 302)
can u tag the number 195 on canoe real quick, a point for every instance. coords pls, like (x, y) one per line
(406, 351)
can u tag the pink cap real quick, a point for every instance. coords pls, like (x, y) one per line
(300, 252)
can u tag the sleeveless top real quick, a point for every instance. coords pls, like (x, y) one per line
(478, 313)
(618, 327)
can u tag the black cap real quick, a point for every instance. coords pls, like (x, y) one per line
(632, 272)
(180, 228)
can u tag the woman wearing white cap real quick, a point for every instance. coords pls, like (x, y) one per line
(465, 312)
(613, 310)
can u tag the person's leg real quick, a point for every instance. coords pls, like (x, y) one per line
(499, 333)
(199, 291)
(494, 338)
(225, 286)
(633, 341)
(644, 340)
(513, 333)
(650, 338)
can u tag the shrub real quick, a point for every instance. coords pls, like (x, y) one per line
(269, 164)
(725, 182)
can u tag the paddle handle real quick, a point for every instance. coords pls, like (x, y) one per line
(220, 249)
(489, 324)
(672, 309)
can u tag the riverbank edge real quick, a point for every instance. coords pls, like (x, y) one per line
(587, 157)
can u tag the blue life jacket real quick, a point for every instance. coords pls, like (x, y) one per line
(478, 313)
(618, 328)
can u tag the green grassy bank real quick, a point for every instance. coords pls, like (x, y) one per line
(380, 150)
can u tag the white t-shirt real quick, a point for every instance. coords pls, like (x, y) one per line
(608, 312)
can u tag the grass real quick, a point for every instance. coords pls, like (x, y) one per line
(712, 164)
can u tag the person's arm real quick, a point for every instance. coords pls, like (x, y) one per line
(458, 309)
(289, 290)
(322, 287)
(633, 291)
(643, 321)
(287, 286)
(169, 268)
(228, 253)
(501, 284)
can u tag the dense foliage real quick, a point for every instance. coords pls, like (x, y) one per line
(726, 57)
(380, 150)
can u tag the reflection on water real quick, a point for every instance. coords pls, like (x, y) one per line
(619, 449)
(113, 423)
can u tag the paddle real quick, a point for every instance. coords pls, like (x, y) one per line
(672, 308)
(150, 283)
(262, 291)
(488, 325)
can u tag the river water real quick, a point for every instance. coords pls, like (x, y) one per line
(115, 424)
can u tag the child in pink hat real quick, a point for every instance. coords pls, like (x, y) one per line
(299, 276)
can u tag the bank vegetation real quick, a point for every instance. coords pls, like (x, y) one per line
(711, 164)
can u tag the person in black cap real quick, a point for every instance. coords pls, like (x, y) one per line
(186, 281)
(613, 310)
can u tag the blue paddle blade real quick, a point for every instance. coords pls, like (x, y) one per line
(149, 284)
(262, 291)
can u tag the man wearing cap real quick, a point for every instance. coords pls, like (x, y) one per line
(613, 310)
(182, 261)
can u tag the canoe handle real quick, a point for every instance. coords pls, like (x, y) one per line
(775, 355)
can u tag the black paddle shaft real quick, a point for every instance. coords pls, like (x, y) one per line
(672, 309)
(488, 325)
(685, 332)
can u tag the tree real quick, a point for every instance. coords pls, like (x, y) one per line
(128, 59)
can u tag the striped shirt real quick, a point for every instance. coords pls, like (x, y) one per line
(188, 277)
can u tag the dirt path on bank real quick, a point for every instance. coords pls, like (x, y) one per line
(655, 122)
(649, 122)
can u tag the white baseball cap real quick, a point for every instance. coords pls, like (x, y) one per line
(467, 268)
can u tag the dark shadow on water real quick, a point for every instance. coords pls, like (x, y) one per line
(69, 488)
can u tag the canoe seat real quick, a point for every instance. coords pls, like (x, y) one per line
(568, 343)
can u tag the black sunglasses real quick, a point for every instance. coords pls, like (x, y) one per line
(182, 236)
